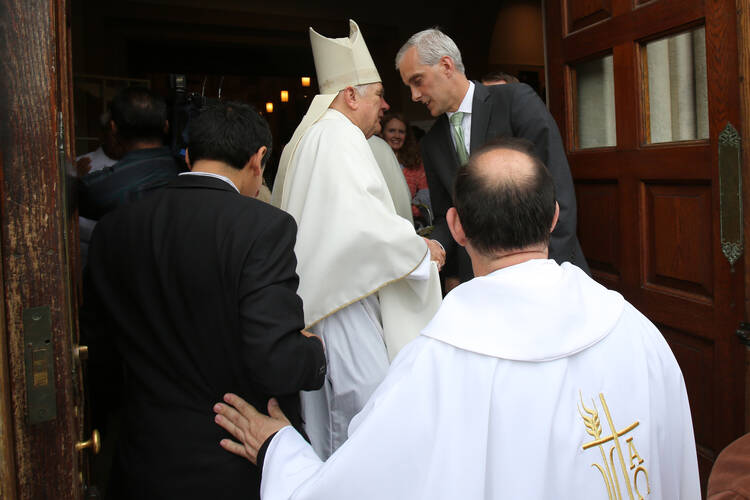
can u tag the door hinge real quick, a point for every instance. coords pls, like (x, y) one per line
(743, 332)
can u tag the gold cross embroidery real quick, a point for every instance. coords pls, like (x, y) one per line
(608, 471)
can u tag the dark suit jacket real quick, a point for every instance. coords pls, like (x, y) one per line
(194, 288)
(502, 110)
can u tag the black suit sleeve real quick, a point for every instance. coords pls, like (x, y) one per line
(531, 120)
(104, 374)
(279, 359)
(441, 200)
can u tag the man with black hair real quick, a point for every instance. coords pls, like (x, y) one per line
(532, 381)
(138, 124)
(498, 78)
(194, 288)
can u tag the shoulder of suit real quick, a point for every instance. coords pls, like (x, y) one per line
(430, 134)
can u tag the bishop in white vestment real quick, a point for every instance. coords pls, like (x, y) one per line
(366, 279)
(531, 382)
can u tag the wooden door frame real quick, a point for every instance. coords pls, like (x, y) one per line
(36, 460)
(743, 48)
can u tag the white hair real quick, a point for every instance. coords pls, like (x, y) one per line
(432, 44)
(362, 90)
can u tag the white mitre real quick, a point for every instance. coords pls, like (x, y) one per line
(339, 63)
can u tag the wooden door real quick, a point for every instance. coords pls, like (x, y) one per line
(41, 409)
(648, 193)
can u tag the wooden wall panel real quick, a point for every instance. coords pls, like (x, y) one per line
(583, 13)
(678, 229)
(653, 20)
(696, 357)
(598, 225)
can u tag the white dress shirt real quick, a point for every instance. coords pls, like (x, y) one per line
(215, 176)
(465, 108)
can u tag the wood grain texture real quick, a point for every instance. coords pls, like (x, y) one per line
(598, 225)
(33, 239)
(7, 444)
(743, 43)
(584, 13)
(678, 227)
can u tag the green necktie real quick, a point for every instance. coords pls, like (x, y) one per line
(458, 137)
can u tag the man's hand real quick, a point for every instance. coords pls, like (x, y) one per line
(83, 166)
(436, 252)
(244, 422)
(310, 334)
(451, 282)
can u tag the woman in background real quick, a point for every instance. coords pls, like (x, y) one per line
(397, 133)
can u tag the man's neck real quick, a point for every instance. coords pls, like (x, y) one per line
(460, 90)
(218, 168)
(348, 113)
(137, 144)
(484, 265)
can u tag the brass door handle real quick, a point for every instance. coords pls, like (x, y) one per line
(94, 443)
(82, 352)
(730, 194)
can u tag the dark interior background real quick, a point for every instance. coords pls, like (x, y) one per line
(253, 50)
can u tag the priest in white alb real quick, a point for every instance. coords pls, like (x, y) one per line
(366, 279)
(531, 382)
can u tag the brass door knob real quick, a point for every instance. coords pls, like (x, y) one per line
(82, 352)
(94, 443)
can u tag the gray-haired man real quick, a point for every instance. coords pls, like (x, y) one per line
(470, 114)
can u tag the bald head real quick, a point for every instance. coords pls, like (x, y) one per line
(505, 198)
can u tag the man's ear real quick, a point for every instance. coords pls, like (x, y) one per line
(187, 159)
(256, 161)
(113, 126)
(554, 219)
(351, 97)
(447, 64)
(454, 224)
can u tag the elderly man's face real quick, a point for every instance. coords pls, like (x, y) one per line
(371, 109)
(428, 84)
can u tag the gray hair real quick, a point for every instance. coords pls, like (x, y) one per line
(432, 44)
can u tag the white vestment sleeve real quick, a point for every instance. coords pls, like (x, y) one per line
(294, 462)
(422, 272)
(384, 456)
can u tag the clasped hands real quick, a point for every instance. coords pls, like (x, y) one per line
(437, 254)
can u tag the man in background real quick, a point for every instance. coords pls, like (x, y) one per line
(498, 78)
(138, 124)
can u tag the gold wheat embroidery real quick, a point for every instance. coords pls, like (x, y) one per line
(594, 429)
(608, 471)
(593, 425)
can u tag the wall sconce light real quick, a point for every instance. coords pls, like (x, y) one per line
(269, 107)
(305, 81)
(284, 96)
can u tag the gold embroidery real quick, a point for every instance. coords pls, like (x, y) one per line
(609, 472)
(635, 482)
(633, 453)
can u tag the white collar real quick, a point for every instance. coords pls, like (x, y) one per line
(465, 106)
(533, 311)
(215, 176)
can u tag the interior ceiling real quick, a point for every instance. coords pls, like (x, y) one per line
(265, 38)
